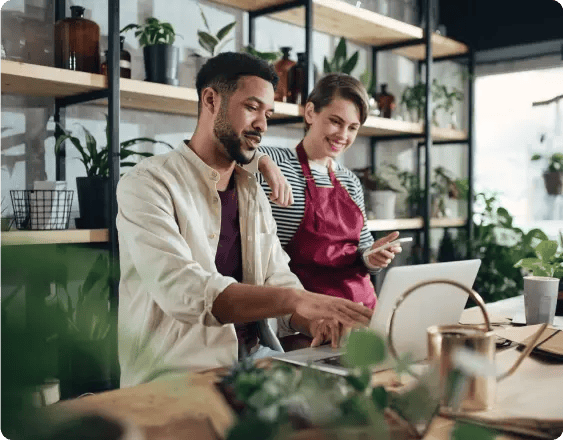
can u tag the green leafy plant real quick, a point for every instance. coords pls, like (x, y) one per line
(368, 80)
(385, 178)
(443, 186)
(88, 318)
(548, 262)
(266, 56)
(278, 401)
(95, 159)
(500, 245)
(340, 61)
(414, 99)
(153, 32)
(213, 43)
(554, 162)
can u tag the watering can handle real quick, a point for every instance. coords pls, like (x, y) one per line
(474, 295)
(477, 298)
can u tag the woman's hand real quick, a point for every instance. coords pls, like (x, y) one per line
(282, 193)
(383, 258)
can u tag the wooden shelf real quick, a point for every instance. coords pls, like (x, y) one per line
(335, 17)
(377, 126)
(13, 238)
(34, 80)
(413, 223)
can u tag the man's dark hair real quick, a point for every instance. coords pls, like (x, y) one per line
(223, 71)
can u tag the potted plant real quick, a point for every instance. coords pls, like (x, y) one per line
(414, 100)
(161, 57)
(444, 186)
(553, 174)
(340, 61)
(266, 56)
(93, 190)
(210, 43)
(284, 401)
(85, 357)
(446, 99)
(383, 186)
(546, 270)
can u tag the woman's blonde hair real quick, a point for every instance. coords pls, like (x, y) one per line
(339, 85)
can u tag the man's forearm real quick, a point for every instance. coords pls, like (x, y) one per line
(241, 303)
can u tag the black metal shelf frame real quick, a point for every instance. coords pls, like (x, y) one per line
(428, 64)
(112, 95)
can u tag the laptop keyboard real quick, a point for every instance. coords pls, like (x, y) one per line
(333, 360)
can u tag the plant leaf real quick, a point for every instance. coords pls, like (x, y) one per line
(364, 348)
(221, 45)
(204, 19)
(379, 397)
(546, 250)
(340, 52)
(351, 63)
(225, 30)
(210, 40)
(466, 431)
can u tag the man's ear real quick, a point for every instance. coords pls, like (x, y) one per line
(210, 100)
(309, 111)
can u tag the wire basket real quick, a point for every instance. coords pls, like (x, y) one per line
(42, 209)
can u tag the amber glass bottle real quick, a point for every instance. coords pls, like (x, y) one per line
(385, 102)
(77, 42)
(296, 81)
(124, 61)
(282, 67)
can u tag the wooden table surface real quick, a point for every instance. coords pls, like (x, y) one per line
(190, 406)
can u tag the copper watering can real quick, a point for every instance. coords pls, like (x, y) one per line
(446, 340)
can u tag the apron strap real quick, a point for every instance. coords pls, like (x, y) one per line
(309, 179)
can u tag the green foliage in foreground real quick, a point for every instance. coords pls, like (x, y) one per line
(284, 399)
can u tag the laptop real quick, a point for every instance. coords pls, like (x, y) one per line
(437, 304)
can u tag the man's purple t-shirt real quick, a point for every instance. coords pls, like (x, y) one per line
(228, 259)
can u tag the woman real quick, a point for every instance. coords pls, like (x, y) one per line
(324, 230)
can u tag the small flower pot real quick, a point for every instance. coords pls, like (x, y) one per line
(553, 182)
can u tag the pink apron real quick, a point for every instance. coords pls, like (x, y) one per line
(324, 250)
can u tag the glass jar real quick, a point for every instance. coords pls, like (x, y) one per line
(77, 42)
(124, 61)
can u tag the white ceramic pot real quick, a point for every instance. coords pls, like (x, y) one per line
(540, 298)
(383, 204)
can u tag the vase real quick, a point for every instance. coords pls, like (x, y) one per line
(77, 42)
(124, 61)
(282, 68)
(553, 182)
(296, 81)
(385, 102)
(383, 204)
(93, 202)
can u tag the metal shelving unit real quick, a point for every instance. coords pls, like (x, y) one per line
(383, 34)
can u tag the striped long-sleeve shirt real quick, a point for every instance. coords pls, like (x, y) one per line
(288, 219)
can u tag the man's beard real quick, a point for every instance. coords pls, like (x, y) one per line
(223, 130)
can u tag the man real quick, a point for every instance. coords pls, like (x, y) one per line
(201, 265)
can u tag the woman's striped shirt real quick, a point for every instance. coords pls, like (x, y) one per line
(288, 219)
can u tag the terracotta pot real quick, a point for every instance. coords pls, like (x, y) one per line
(553, 182)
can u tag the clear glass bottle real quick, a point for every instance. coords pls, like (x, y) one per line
(282, 67)
(77, 42)
(124, 61)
